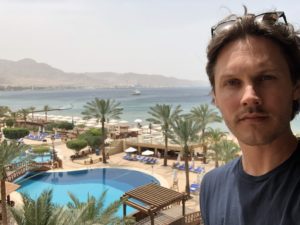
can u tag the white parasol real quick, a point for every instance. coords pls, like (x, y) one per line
(147, 152)
(138, 120)
(130, 150)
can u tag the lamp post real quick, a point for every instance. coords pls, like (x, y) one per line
(53, 150)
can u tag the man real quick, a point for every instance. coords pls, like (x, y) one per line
(254, 69)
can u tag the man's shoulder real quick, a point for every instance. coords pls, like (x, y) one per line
(216, 188)
(218, 175)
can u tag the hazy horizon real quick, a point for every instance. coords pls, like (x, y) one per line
(140, 36)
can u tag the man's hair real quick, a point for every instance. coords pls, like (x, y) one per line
(284, 35)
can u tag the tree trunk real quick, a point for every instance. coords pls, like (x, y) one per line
(217, 161)
(187, 175)
(166, 151)
(3, 202)
(204, 153)
(103, 144)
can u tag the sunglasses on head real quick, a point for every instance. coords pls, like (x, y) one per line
(267, 17)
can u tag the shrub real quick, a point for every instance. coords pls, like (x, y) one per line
(15, 133)
(77, 144)
(93, 137)
(9, 122)
(66, 125)
(41, 149)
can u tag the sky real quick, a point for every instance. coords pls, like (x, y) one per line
(166, 37)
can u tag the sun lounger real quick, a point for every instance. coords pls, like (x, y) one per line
(152, 161)
(147, 160)
(140, 158)
(191, 168)
(127, 157)
(181, 167)
(199, 170)
(195, 188)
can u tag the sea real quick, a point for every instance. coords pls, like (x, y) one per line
(135, 106)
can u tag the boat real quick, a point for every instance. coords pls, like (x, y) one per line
(136, 92)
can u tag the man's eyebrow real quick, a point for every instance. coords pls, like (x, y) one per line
(228, 76)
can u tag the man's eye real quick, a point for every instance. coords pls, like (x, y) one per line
(233, 82)
(266, 77)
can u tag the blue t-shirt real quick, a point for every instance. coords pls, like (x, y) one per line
(229, 196)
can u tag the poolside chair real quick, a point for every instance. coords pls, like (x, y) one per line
(178, 165)
(181, 167)
(127, 157)
(152, 161)
(57, 136)
(191, 168)
(148, 160)
(195, 188)
(140, 158)
(199, 170)
(175, 164)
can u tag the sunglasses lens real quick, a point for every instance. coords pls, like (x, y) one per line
(270, 18)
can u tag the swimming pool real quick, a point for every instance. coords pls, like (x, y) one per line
(84, 182)
(36, 158)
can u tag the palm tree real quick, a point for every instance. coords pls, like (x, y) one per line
(93, 212)
(14, 116)
(40, 211)
(204, 115)
(186, 132)
(102, 110)
(24, 113)
(164, 115)
(31, 110)
(8, 151)
(4, 111)
(230, 150)
(46, 108)
(215, 136)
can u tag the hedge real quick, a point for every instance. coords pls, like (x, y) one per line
(15, 133)
(77, 144)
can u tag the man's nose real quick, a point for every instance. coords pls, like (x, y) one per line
(250, 96)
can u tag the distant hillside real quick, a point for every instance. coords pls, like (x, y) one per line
(29, 73)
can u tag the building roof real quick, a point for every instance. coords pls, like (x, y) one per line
(153, 197)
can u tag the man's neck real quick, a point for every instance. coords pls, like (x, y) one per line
(259, 160)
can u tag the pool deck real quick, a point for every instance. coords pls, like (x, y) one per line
(163, 173)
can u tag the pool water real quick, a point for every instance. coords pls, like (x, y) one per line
(84, 182)
(36, 158)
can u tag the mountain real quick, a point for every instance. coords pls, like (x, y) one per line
(29, 73)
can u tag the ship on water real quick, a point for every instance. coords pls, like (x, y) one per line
(136, 92)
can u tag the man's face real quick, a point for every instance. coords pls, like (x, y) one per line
(253, 90)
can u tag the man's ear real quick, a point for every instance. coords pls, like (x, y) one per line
(213, 100)
(297, 91)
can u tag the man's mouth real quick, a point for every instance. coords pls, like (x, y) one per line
(253, 117)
